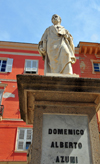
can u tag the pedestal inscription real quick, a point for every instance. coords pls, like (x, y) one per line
(65, 139)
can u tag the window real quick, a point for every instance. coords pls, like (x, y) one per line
(6, 65)
(96, 67)
(24, 139)
(3, 65)
(31, 66)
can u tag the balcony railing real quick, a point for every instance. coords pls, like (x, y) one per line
(1, 110)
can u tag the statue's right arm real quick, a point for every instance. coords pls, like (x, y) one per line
(42, 46)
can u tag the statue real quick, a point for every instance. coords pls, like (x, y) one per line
(57, 48)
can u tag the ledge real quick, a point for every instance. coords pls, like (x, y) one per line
(53, 91)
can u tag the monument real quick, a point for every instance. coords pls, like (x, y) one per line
(57, 48)
(61, 109)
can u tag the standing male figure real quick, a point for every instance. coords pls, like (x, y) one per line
(57, 48)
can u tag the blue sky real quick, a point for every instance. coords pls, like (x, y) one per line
(26, 20)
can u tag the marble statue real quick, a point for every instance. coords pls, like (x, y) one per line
(57, 48)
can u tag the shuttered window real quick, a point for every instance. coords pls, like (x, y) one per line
(9, 65)
(96, 67)
(31, 66)
(24, 139)
(6, 65)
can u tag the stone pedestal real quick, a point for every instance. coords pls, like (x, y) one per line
(63, 113)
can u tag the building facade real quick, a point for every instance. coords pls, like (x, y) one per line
(89, 57)
(24, 58)
(15, 135)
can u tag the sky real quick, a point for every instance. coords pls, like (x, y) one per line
(26, 20)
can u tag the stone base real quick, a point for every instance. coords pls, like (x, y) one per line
(61, 75)
(65, 104)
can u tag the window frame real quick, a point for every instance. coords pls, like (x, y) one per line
(8, 67)
(0, 66)
(95, 62)
(23, 140)
(30, 72)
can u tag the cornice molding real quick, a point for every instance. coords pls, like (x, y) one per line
(89, 48)
(17, 45)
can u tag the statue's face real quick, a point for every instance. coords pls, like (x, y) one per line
(56, 19)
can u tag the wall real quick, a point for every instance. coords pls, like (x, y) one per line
(11, 117)
(8, 129)
(89, 53)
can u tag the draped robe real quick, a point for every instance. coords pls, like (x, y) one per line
(58, 50)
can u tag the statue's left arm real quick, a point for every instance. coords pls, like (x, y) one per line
(69, 39)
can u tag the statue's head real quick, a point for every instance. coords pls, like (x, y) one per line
(56, 19)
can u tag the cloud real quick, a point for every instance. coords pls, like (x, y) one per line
(4, 35)
(86, 21)
(95, 4)
(94, 38)
(25, 21)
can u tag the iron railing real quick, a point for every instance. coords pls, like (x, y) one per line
(1, 110)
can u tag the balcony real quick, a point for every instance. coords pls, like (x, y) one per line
(1, 110)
